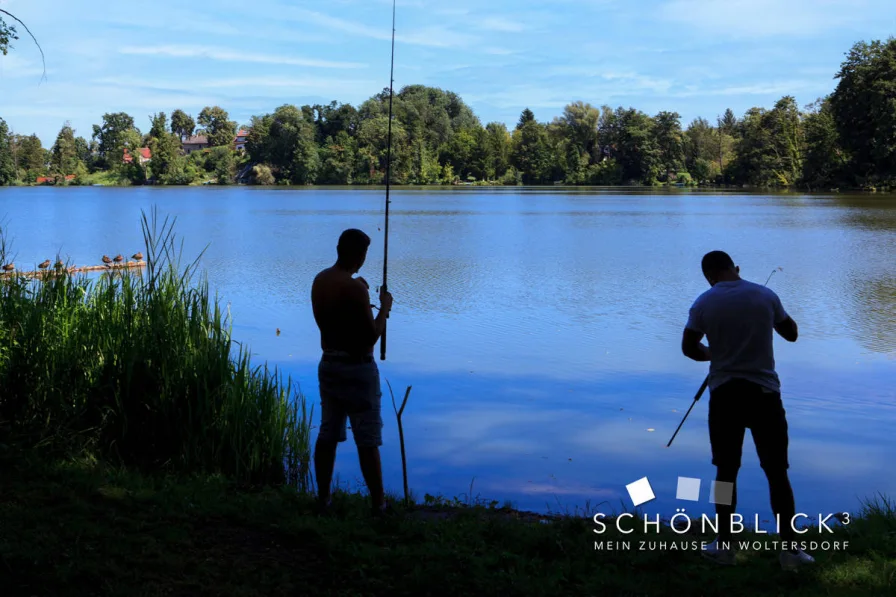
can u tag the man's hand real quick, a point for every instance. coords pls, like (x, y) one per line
(385, 300)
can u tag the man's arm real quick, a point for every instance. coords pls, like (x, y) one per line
(691, 346)
(784, 324)
(373, 326)
(787, 329)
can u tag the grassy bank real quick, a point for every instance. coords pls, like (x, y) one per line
(78, 529)
(140, 368)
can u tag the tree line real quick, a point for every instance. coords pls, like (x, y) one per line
(847, 138)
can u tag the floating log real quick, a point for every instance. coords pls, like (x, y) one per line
(76, 270)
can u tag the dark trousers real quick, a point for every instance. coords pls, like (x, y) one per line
(734, 407)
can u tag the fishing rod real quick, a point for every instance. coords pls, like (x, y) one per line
(388, 182)
(706, 382)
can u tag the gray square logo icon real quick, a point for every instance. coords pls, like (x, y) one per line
(722, 493)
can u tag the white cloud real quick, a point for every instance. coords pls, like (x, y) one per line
(755, 18)
(437, 37)
(495, 51)
(14, 66)
(780, 88)
(499, 24)
(225, 55)
(251, 86)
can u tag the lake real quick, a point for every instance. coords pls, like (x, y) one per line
(540, 328)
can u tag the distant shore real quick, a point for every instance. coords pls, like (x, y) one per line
(664, 187)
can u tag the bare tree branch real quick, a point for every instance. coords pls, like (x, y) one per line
(42, 58)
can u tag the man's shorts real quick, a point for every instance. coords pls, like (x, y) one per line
(739, 405)
(350, 391)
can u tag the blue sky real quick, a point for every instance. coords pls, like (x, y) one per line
(696, 57)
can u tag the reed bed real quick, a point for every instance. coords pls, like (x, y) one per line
(140, 367)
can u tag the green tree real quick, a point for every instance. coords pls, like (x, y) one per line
(111, 136)
(526, 117)
(7, 35)
(65, 159)
(729, 123)
(531, 153)
(82, 148)
(499, 143)
(701, 150)
(607, 172)
(221, 163)
(305, 161)
(580, 121)
(159, 125)
(373, 144)
(7, 164)
(863, 106)
(787, 132)
(482, 163)
(337, 157)
(217, 126)
(632, 144)
(770, 149)
(182, 124)
(168, 164)
(669, 142)
(754, 160)
(31, 156)
(825, 162)
(460, 152)
(285, 141)
(262, 175)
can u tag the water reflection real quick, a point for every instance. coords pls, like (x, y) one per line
(543, 443)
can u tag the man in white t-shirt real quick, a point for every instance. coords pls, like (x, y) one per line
(738, 318)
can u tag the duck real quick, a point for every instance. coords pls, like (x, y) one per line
(9, 267)
(118, 258)
(44, 265)
(107, 260)
(137, 256)
(278, 331)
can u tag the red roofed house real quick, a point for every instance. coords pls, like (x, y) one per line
(144, 156)
(239, 142)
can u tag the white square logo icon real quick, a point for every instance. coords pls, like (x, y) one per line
(688, 489)
(640, 492)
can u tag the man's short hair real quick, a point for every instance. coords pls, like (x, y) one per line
(716, 261)
(353, 244)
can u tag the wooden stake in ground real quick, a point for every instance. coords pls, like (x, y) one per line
(404, 462)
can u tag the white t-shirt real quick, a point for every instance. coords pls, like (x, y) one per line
(738, 319)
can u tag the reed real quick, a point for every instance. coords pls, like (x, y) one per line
(140, 367)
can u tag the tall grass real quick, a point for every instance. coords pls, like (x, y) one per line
(140, 367)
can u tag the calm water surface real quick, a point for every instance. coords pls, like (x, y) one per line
(540, 329)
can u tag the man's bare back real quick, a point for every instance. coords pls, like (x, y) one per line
(342, 311)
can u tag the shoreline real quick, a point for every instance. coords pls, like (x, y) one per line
(663, 187)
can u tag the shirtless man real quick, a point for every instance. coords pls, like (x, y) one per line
(738, 319)
(348, 376)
